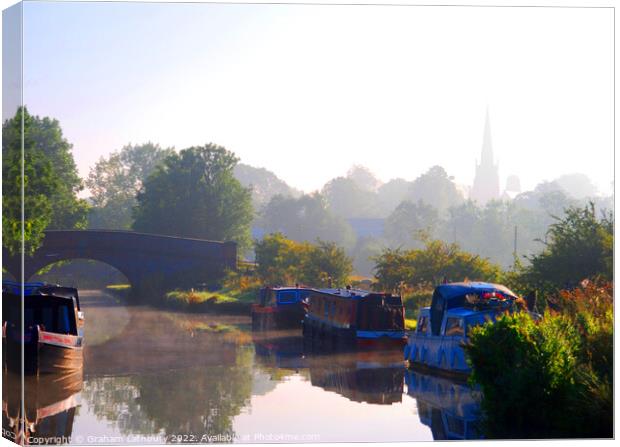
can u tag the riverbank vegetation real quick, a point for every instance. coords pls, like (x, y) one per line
(529, 369)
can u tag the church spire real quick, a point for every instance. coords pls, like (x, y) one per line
(487, 144)
(486, 181)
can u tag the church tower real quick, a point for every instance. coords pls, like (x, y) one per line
(486, 181)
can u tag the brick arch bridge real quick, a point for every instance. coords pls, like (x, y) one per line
(145, 259)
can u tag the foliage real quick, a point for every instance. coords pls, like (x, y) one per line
(529, 370)
(264, 184)
(390, 194)
(194, 194)
(50, 178)
(434, 263)
(415, 298)
(283, 261)
(407, 221)
(579, 246)
(347, 199)
(577, 185)
(434, 186)
(363, 178)
(305, 219)
(115, 181)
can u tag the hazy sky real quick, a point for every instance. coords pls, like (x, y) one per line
(308, 91)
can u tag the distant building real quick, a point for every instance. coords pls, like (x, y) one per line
(513, 187)
(486, 181)
(367, 227)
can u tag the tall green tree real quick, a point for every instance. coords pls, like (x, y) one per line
(50, 178)
(194, 194)
(346, 199)
(306, 219)
(114, 183)
(579, 246)
(407, 221)
(435, 188)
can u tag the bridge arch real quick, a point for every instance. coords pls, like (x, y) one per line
(145, 259)
(82, 273)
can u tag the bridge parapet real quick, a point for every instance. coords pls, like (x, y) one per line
(141, 257)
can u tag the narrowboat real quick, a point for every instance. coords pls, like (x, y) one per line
(451, 409)
(279, 308)
(443, 328)
(53, 329)
(358, 316)
(45, 412)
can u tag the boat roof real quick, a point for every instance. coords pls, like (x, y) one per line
(350, 293)
(39, 289)
(452, 290)
(283, 288)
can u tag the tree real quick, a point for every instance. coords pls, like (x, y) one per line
(435, 188)
(363, 178)
(265, 184)
(346, 199)
(327, 264)
(404, 225)
(578, 246)
(114, 183)
(51, 182)
(577, 185)
(283, 261)
(435, 262)
(305, 219)
(194, 194)
(391, 194)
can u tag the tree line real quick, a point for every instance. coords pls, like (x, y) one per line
(204, 192)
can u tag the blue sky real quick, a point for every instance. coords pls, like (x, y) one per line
(308, 91)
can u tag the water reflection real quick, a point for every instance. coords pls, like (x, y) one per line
(50, 404)
(359, 375)
(193, 401)
(159, 377)
(450, 408)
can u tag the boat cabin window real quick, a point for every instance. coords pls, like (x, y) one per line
(287, 297)
(52, 315)
(422, 325)
(454, 327)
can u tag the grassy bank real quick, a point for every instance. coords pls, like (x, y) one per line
(119, 290)
(233, 301)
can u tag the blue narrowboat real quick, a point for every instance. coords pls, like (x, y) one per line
(280, 308)
(51, 338)
(443, 328)
(359, 316)
(451, 409)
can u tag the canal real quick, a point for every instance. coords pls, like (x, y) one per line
(153, 376)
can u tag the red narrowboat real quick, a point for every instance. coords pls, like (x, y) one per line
(359, 316)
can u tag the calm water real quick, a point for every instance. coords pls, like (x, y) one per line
(152, 377)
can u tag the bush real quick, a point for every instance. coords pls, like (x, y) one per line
(283, 261)
(432, 264)
(529, 370)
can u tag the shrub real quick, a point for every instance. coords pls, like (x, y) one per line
(435, 262)
(283, 261)
(529, 370)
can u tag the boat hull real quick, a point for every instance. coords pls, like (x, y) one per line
(272, 317)
(50, 354)
(437, 353)
(316, 329)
